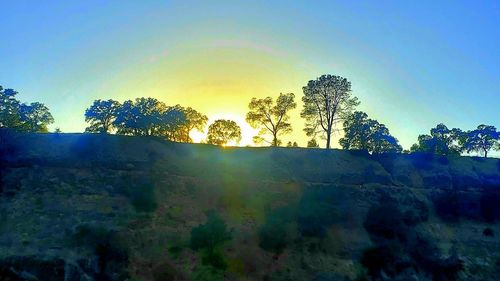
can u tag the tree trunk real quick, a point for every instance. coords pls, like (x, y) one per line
(485, 153)
(275, 140)
(328, 138)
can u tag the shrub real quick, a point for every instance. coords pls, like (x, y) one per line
(214, 259)
(112, 256)
(141, 193)
(399, 249)
(386, 222)
(447, 205)
(211, 234)
(316, 211)
(274, 235)
(488, 232)
(490, 205)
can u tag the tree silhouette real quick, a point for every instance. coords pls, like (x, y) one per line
(9, 109)
(271, 118)
(312, 143)
(173, 121)
(223, 131)
(327, 100)
(290, 144)
(441, 141)
(35, 117)
(141, 117)
(194, 120)
(101, 115)
(360, 132)
(482, 139)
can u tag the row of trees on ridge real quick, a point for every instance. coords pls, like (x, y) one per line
(327, 102)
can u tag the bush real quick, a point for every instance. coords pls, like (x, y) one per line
(316, 211)
(386, 222)
(399, 250)
(141, 193)
(488, 232)
(112, 256)
(211, 234)
(214, 259)
(447, 205)
(490, 205)
(274, 234)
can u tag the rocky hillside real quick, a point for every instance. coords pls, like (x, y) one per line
(93, 207)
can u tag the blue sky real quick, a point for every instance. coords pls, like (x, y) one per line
(412, 64)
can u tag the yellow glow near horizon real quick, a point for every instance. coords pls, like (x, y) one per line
(247, 132)
(216, 78)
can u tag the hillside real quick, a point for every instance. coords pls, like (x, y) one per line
(101, 207)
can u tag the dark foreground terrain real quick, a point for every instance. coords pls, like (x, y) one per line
(94, 207)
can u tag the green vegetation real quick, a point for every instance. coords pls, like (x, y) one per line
(360, 132)
(271, 118)
(327, 100)
(208, 238)
(223, 131)
(400, 249)
(33, 117)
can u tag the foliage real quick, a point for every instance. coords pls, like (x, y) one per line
(274, 235)
(9, 109)
(208, 273)
(290, 144)
(482, 139)
(210, 235)
(141, 193)
(447, 205)
(316, 211)
(33, 117)
(312, 143)
(194, 121)
(489, 205)
(149, 117)
(271, 118)
(110, 252)
(441, 141)
(141, 117)
(360, 132)
(223, 131)
(101, 115)
(400, 251)
(327, 101)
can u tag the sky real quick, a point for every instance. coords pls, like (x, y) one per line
(412, 64)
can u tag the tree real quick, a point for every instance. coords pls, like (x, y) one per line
(209, 235)
(441, 141)
(482, 139)
(360, 132)
(194, 120)
(101, 115)
(223, 131)
(172, 121)
(327, 101)
(141, 117)
(9, 109)
(35, 117)
(312, 143)
(272, 119)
